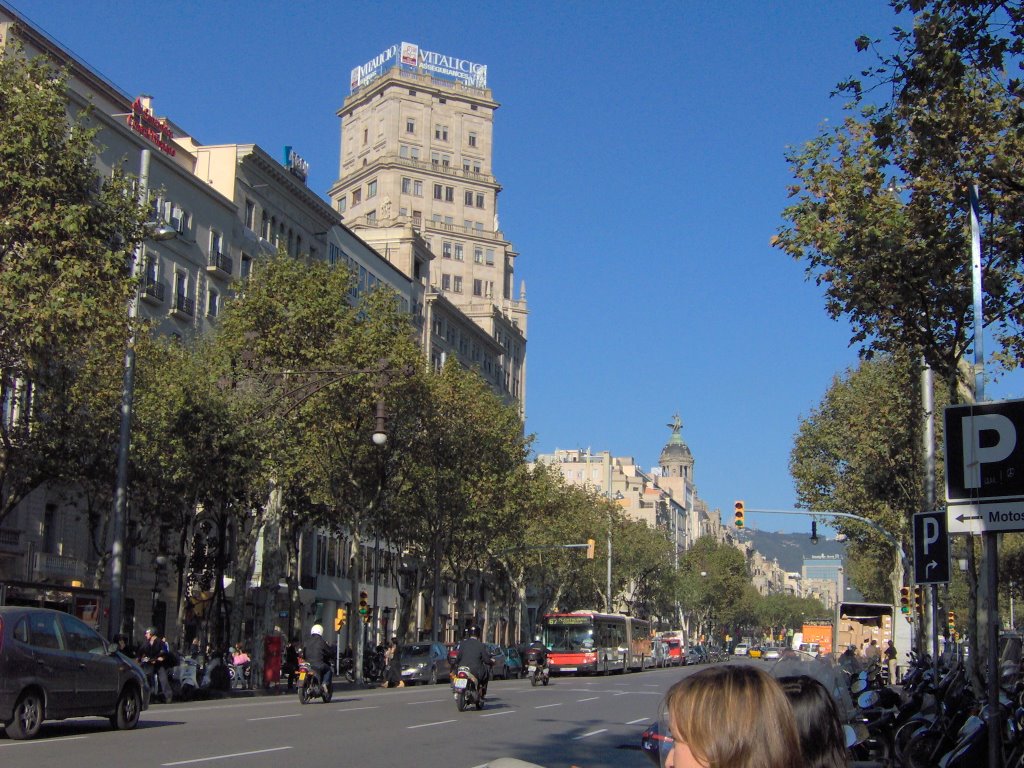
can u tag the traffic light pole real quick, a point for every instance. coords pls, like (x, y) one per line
(870, 523)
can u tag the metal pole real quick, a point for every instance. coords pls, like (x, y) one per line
(608, 594)
(990, 539)
(117, 522)
(928, 406)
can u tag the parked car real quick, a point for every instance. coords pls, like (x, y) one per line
(507, 663)
(54, 666)
(424, 663)
(741, 649)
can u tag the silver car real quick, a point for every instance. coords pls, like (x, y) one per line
(424, 663)
(54, 666)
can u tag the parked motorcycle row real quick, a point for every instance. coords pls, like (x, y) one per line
(939, 721)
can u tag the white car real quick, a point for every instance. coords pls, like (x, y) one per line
(771, 652)
(741, 649)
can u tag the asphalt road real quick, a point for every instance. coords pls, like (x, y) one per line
(592, 722)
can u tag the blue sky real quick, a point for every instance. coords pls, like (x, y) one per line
(640, 146)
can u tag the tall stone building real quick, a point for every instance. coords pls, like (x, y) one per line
(416, 169)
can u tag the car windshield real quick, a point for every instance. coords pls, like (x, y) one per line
(418, 649)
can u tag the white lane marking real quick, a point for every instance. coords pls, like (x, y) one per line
(591, 733)
(235, 706)
(588, 699)
(545, 706)
(40, 742)
(272, 717)
(225, 757)
(428, 701)
(495, 714)
(428, 725)
(353, 709)
(641, 720)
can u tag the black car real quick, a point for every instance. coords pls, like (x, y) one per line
(54, 666)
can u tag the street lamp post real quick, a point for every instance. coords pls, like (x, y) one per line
(155, 231)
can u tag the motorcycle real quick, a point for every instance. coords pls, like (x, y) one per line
(310, 685)
(535, 670)
(466, 689)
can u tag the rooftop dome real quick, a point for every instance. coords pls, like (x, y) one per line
(675, 449)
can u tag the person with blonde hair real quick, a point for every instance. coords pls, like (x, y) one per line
(731, 717)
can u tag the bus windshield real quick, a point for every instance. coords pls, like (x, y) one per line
(568, 638)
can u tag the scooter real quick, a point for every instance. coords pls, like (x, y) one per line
(310, 685)
(535, 670)
(466, 689)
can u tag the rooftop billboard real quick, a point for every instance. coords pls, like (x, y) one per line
(410, 56)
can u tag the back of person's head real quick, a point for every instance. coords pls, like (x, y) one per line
(822, 740)
(735, 716)
(473, 631)
(316, 629)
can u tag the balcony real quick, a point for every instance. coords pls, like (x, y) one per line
(184, 308)
(220, 263)
(46, 566)
(10, 540)
(154, 292)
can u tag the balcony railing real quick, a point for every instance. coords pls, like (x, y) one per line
(432, 167)
(49, 566)
(220, 261)
(183, 305)
(10, 540)
(154, 291)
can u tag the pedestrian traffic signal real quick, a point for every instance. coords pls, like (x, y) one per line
(739, 512)
(590, 549)
(339, 619)
(905, 599)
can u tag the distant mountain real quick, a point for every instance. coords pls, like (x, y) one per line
(790, 549)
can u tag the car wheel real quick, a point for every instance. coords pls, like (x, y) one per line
(28, 716)
(129, 708)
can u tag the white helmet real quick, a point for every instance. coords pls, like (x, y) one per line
(316, 629)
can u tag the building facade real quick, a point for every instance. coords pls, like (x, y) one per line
(416, 154)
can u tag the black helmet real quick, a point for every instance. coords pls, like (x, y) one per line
(472, 631)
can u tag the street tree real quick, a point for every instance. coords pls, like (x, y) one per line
(880, 211)
(712, 579)
(859, 452)
(67, 238)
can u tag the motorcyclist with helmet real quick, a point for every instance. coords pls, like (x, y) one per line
(536, 653)
(318, 653)
(474, 654)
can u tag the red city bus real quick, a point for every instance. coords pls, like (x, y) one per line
(589, 642)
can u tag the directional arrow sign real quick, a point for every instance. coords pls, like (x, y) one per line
(931, 548)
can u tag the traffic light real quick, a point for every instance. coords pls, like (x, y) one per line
(590, 549)
(339, 619)
(951, 623)
(918, 600)
(364, 607)
(739, 512)
(905, 599)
